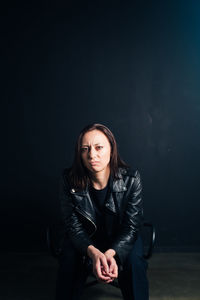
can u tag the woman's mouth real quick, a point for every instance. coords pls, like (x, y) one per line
(93, 163)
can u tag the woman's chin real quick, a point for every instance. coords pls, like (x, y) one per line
(95, 169)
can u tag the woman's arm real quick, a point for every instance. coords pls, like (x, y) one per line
(72, 225)
(132, 220)
(80, 239)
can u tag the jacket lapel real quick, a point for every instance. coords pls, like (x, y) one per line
(117, 189)
(113, 201)
(84, 203)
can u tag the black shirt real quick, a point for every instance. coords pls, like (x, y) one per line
(100, 238)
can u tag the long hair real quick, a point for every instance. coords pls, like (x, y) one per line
(79, 175)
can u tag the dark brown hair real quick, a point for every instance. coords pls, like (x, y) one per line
(79, 175)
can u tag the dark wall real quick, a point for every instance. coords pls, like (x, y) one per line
(132, 66)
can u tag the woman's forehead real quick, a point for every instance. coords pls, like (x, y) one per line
(94, 137)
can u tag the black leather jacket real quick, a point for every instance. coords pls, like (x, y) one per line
(124, 200)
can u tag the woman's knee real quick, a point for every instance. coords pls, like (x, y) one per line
(135, 257)
(135, 261)
(69, 258)
(71, 272)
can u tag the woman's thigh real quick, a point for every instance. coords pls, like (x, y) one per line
(136, 255)
(71, 273)
(133, 278)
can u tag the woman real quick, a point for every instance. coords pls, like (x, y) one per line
(102, 211)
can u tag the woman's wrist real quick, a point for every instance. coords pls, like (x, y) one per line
(91, 250)
(110, 252)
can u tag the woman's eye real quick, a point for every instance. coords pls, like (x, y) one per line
(83, 149)
(99, 147)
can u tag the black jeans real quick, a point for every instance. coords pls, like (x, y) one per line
(72, 274)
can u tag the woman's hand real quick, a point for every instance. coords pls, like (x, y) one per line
(113, 268)
(101, 268)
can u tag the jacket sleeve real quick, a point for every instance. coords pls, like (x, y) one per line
(72, 224)
(132, 220)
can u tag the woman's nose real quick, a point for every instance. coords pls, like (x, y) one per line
(91, 153)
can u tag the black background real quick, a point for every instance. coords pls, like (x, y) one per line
(131, 65)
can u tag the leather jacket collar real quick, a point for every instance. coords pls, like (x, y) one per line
(116, 185)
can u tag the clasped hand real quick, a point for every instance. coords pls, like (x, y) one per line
(104, 264)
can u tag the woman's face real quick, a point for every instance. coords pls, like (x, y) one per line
(95, 151)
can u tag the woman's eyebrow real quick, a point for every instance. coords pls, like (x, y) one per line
(85, 145)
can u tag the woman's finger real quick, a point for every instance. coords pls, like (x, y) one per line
(112, 266)
(115, 271)
(105, 264)
(98, 271)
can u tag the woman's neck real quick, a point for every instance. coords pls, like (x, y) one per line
(100, 179)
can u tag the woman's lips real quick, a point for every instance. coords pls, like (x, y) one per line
(94, 163)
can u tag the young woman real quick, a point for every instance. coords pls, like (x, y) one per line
(102, 212)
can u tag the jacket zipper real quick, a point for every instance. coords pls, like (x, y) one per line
(84, 215)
